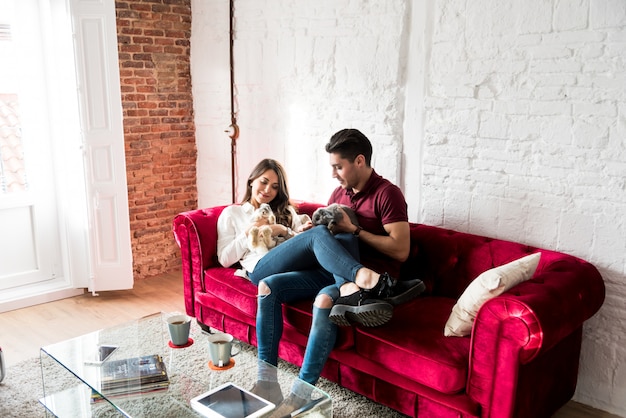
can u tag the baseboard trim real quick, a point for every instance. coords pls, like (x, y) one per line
(31, 300)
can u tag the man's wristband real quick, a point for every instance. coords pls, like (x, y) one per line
(357, 231)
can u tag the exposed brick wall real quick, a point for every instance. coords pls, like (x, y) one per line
(159, 130)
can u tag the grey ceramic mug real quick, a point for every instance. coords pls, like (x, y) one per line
(221, 348)
(179, 326)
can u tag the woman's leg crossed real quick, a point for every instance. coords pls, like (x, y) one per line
(283, 288)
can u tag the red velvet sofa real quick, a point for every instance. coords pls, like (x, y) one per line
(521, 359)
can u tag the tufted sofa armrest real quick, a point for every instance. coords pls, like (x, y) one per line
(523, 324)
(195, 232)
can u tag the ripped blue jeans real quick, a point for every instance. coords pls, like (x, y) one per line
(311, 263)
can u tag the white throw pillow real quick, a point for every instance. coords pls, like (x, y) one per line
(486, 286)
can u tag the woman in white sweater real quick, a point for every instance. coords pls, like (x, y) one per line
(267, 183)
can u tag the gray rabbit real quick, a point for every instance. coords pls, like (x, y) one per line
(330, 215)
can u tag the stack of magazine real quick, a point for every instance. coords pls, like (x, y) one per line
(132, 376)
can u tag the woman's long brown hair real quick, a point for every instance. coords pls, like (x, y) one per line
(280, 204)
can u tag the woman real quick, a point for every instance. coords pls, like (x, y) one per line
(267, 183)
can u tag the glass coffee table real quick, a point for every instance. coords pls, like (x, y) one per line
(72, 377)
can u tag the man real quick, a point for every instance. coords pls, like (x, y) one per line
(381, 241)
(383, 229)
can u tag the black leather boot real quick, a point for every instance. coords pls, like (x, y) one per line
(358, 308)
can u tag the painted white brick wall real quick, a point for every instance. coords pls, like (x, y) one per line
(504, 118)
(525, 140)
(303, 70)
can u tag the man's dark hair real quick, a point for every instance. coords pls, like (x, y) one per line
(349, 144)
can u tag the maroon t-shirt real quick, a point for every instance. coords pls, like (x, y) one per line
(379, 203)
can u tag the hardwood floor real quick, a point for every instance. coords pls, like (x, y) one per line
(578, 410)
(25, 330)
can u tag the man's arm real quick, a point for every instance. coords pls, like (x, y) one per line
(395, 245)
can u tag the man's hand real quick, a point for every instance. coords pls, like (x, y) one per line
(345, 224)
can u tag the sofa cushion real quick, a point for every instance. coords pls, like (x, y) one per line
(239, 292)
(412, 344)
(486, 286)
(242, 294)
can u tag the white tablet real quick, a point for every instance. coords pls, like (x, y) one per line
(231, 401)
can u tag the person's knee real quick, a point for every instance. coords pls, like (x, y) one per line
(323, 301)
(264, 289)
(319, 230)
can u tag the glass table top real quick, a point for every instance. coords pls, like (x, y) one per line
(72, 375)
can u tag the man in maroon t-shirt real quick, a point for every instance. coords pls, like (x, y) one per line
(383, 230)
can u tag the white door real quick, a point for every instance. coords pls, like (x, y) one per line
(103, 135)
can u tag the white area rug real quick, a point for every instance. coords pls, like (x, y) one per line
(22, 387)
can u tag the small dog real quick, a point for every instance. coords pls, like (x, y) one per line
(260, 237)
(330, 215)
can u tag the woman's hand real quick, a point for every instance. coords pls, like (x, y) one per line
(279, 230)
(258, 223)
(305, 226)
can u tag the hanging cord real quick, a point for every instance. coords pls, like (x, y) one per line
(233, 129)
